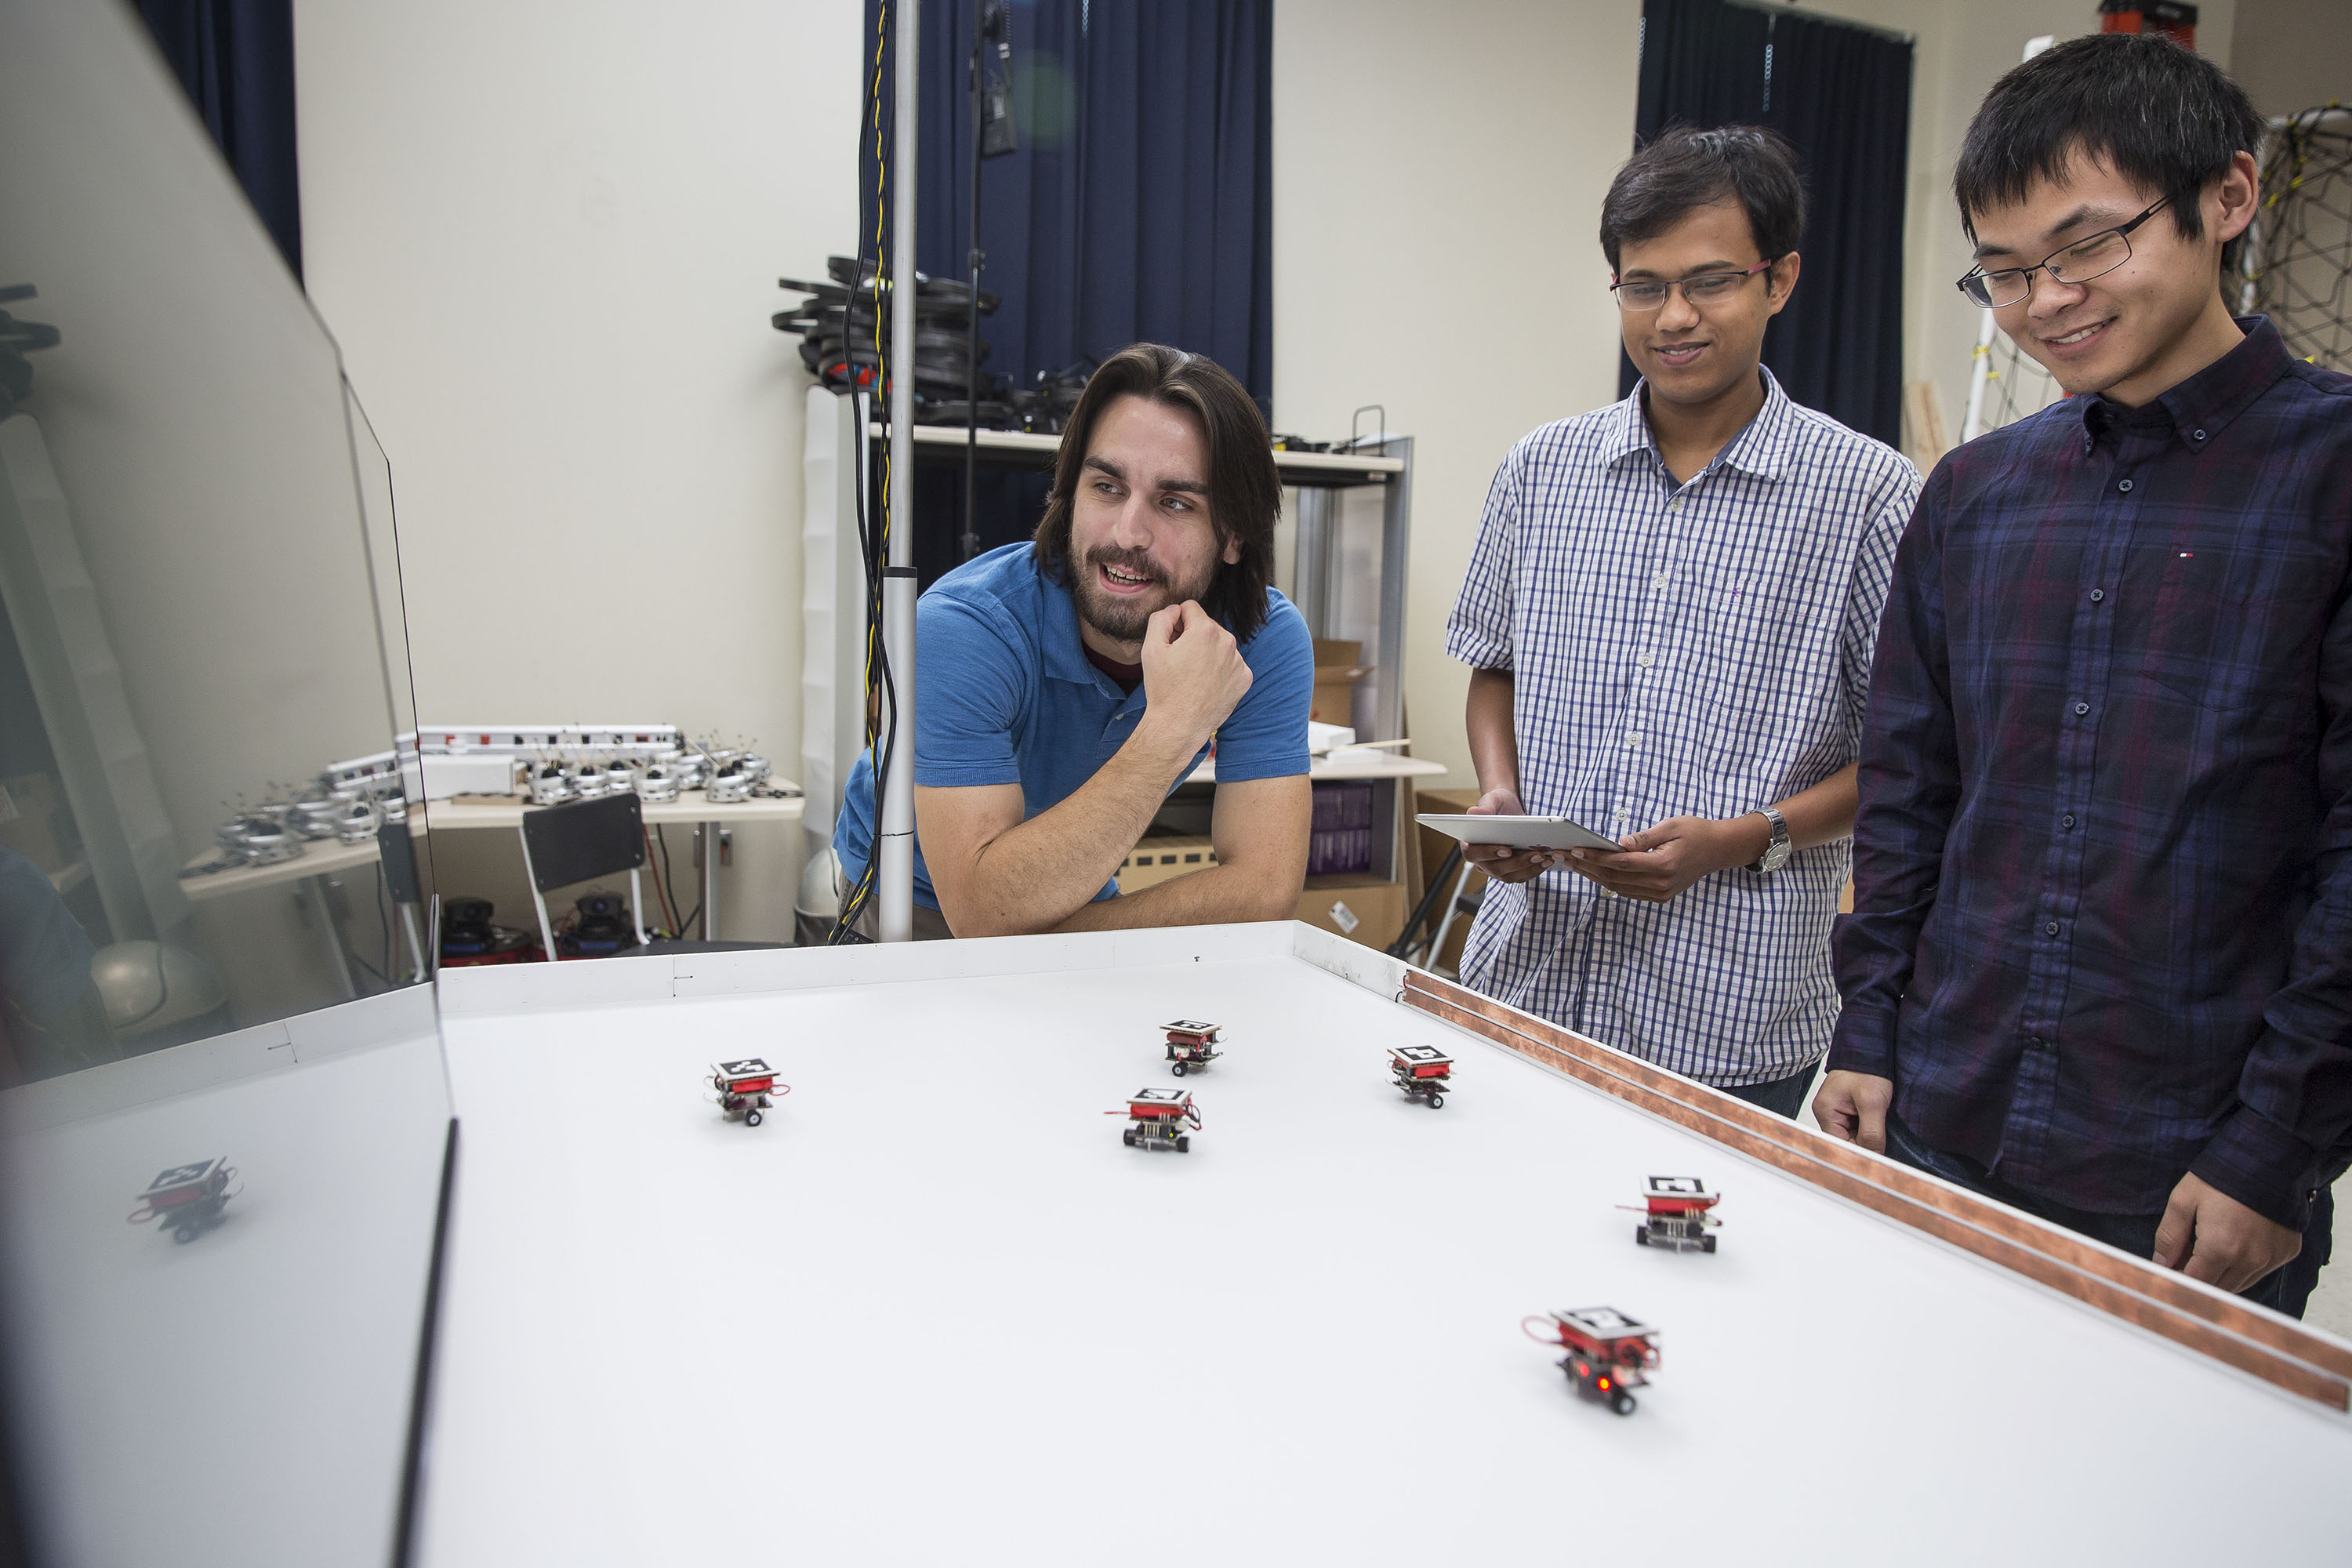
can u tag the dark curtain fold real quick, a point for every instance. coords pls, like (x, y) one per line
(1141, 203)
(236, 57)
(1842, 95)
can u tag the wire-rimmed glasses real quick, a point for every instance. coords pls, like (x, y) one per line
(1702, 290)
(2094, 257)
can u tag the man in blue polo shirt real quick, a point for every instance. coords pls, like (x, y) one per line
(1066, 686)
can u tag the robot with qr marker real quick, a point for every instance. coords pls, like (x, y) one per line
(1191, 1045)
(186, 1200)
(747, 1087)
(1423, 1072)
(1677, 1215)
(1608, 1352)
(1158, 1118)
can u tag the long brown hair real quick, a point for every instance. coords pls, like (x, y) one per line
(1244, 491)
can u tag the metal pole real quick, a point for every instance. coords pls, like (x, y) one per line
(895, 850)
(975, 261)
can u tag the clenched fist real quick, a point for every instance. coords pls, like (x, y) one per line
(1193, 672)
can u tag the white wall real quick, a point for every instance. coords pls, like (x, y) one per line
(2292, 55)
(547, 236)
(1437, 177)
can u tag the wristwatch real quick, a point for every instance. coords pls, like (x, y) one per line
(1776, 854)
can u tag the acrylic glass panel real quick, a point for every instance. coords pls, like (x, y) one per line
(214, 1035)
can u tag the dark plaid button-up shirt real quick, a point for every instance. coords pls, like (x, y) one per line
(2103, 906)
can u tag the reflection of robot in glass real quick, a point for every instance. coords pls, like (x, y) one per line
(744, 1089)
(1423, 1072)
(1159, 1117)
(186, 1200)
(1191, 1045)
(1677, 1217)
(1608, 1352)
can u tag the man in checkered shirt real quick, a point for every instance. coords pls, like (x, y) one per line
(1669, 617)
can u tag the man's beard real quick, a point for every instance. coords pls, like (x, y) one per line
(1126, 619)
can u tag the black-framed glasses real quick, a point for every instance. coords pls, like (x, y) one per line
(2080, 262)
(1702, 290)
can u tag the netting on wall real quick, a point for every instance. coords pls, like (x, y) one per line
(2297, 263)
(2014, 386)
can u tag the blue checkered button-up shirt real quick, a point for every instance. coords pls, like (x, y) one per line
(1697, 651)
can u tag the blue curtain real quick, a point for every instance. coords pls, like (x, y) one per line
(236, 57)
(1141, 203)
(1842, 95)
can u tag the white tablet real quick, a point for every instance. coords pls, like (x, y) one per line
(1518, 832)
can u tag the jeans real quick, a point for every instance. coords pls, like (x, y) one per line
(2286, 1289)
(1780, 1096)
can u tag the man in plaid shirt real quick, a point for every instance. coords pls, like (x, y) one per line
(2100, 962)
(1668, 617)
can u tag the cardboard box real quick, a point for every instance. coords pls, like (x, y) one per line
(1368, 910)
(1155, 860)
(1337, 671)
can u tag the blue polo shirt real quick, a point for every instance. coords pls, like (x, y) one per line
(1004, 694)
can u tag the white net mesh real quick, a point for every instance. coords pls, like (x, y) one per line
(2297, 263)
(2014, 385)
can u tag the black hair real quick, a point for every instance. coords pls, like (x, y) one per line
(2156, 113)
(1682, 169)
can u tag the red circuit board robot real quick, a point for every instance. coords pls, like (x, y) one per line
(186, 1200)
(1677, 1216)
(1159, 1117)
(1608, 1352)
(1423, 1072)
(1191, 1045)
(747, 1087)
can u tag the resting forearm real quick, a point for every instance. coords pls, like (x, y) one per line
(1494, 738)
(1037, 873)
(1823, 814)
(1209, 897)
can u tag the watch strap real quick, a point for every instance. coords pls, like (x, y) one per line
(1776, 854)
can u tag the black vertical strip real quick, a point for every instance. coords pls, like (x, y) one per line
(412, 1472)
(235, 58)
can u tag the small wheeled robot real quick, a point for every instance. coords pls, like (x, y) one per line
(746, 1087)
(1608, 1352)
(186, 1200)
(1676, 1215)
(1423, 1072)
(1158, 1118)
(1191, 1045)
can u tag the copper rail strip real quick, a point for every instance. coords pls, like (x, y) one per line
(2278, 1352)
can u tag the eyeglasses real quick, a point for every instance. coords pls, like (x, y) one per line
(2076, 263)
(1706, 288)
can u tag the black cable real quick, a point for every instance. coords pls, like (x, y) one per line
(384, 916)
(873, 536)
(669, 883)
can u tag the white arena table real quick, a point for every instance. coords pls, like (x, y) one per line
(934, 1311)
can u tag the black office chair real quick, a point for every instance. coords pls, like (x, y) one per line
(563, 845)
